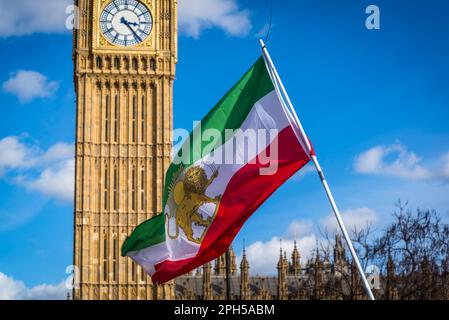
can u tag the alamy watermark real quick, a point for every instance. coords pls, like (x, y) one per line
(373, 277)
(73, 17)
(229, 147)
(73, 279)
(372, 22)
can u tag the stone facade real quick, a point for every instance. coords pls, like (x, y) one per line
(123, 147)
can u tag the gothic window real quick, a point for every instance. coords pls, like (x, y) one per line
(105, 258)
(144, 63)
(126, 60)
(117, 63)
(142, 274)
(133, 271)
(134, 119)
(108, 63)
(143, 119)
(114, 260)
(115, 188)
(116, 112)
(106, 125)
(135, 64)
(153, 64)
(142, 189)
(133, 188)
(98, 62)
(105, 188)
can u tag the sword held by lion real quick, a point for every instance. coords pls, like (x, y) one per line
(189, 195)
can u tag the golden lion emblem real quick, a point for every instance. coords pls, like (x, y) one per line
(189, 194)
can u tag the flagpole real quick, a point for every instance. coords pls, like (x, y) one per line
(306, 142)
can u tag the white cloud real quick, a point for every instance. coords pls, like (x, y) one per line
(298, 229)
(24, 17)
(198, 15)
(57, 152)
(13, 154)
(49, 172)
(263, 256)
(55, 182)
(353, 219)
(396, 160)
(29, 85)
(11, 289)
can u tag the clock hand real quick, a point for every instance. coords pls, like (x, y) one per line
(129, 27)
(124, 21)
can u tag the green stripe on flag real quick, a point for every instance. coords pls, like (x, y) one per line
(148, 234)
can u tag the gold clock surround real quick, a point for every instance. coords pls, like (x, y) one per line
(105, 43)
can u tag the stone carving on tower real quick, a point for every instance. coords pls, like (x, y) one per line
(318, 277)
(125, 53)
(244, 278)
(207, 285)
(282, 276)
(220, 264)
(295, 266)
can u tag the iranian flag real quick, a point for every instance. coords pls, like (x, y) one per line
(245, 148)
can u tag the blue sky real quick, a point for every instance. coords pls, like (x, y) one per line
(375, 104)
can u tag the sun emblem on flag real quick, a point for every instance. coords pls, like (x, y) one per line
(189, 195)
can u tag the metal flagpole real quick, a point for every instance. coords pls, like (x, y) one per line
(228, 274)
(306, 142)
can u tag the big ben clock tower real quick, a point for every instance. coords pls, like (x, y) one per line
(125, 54)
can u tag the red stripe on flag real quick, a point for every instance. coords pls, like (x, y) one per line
(246, 192)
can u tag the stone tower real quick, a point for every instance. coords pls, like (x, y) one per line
(244, 278)
(207, 284)
(282, 277)
(339, 256)
(295, 267)
(390, 283)
(220, 264)
(318, 277)
(125, 52)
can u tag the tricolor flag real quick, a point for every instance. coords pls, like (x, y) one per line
(245, 148)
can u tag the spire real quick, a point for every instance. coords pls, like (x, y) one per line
(220, 266)
(318, 276)
(244, 276)
(244, 263)
(296, 261)
(390, 266)
(390, 290)
(339, 255)
(282, 281)
(357, 291)
(281, 258)
(233, 261)
(327, 262)
(282, 275)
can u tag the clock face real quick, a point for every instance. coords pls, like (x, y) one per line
(126, 22)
